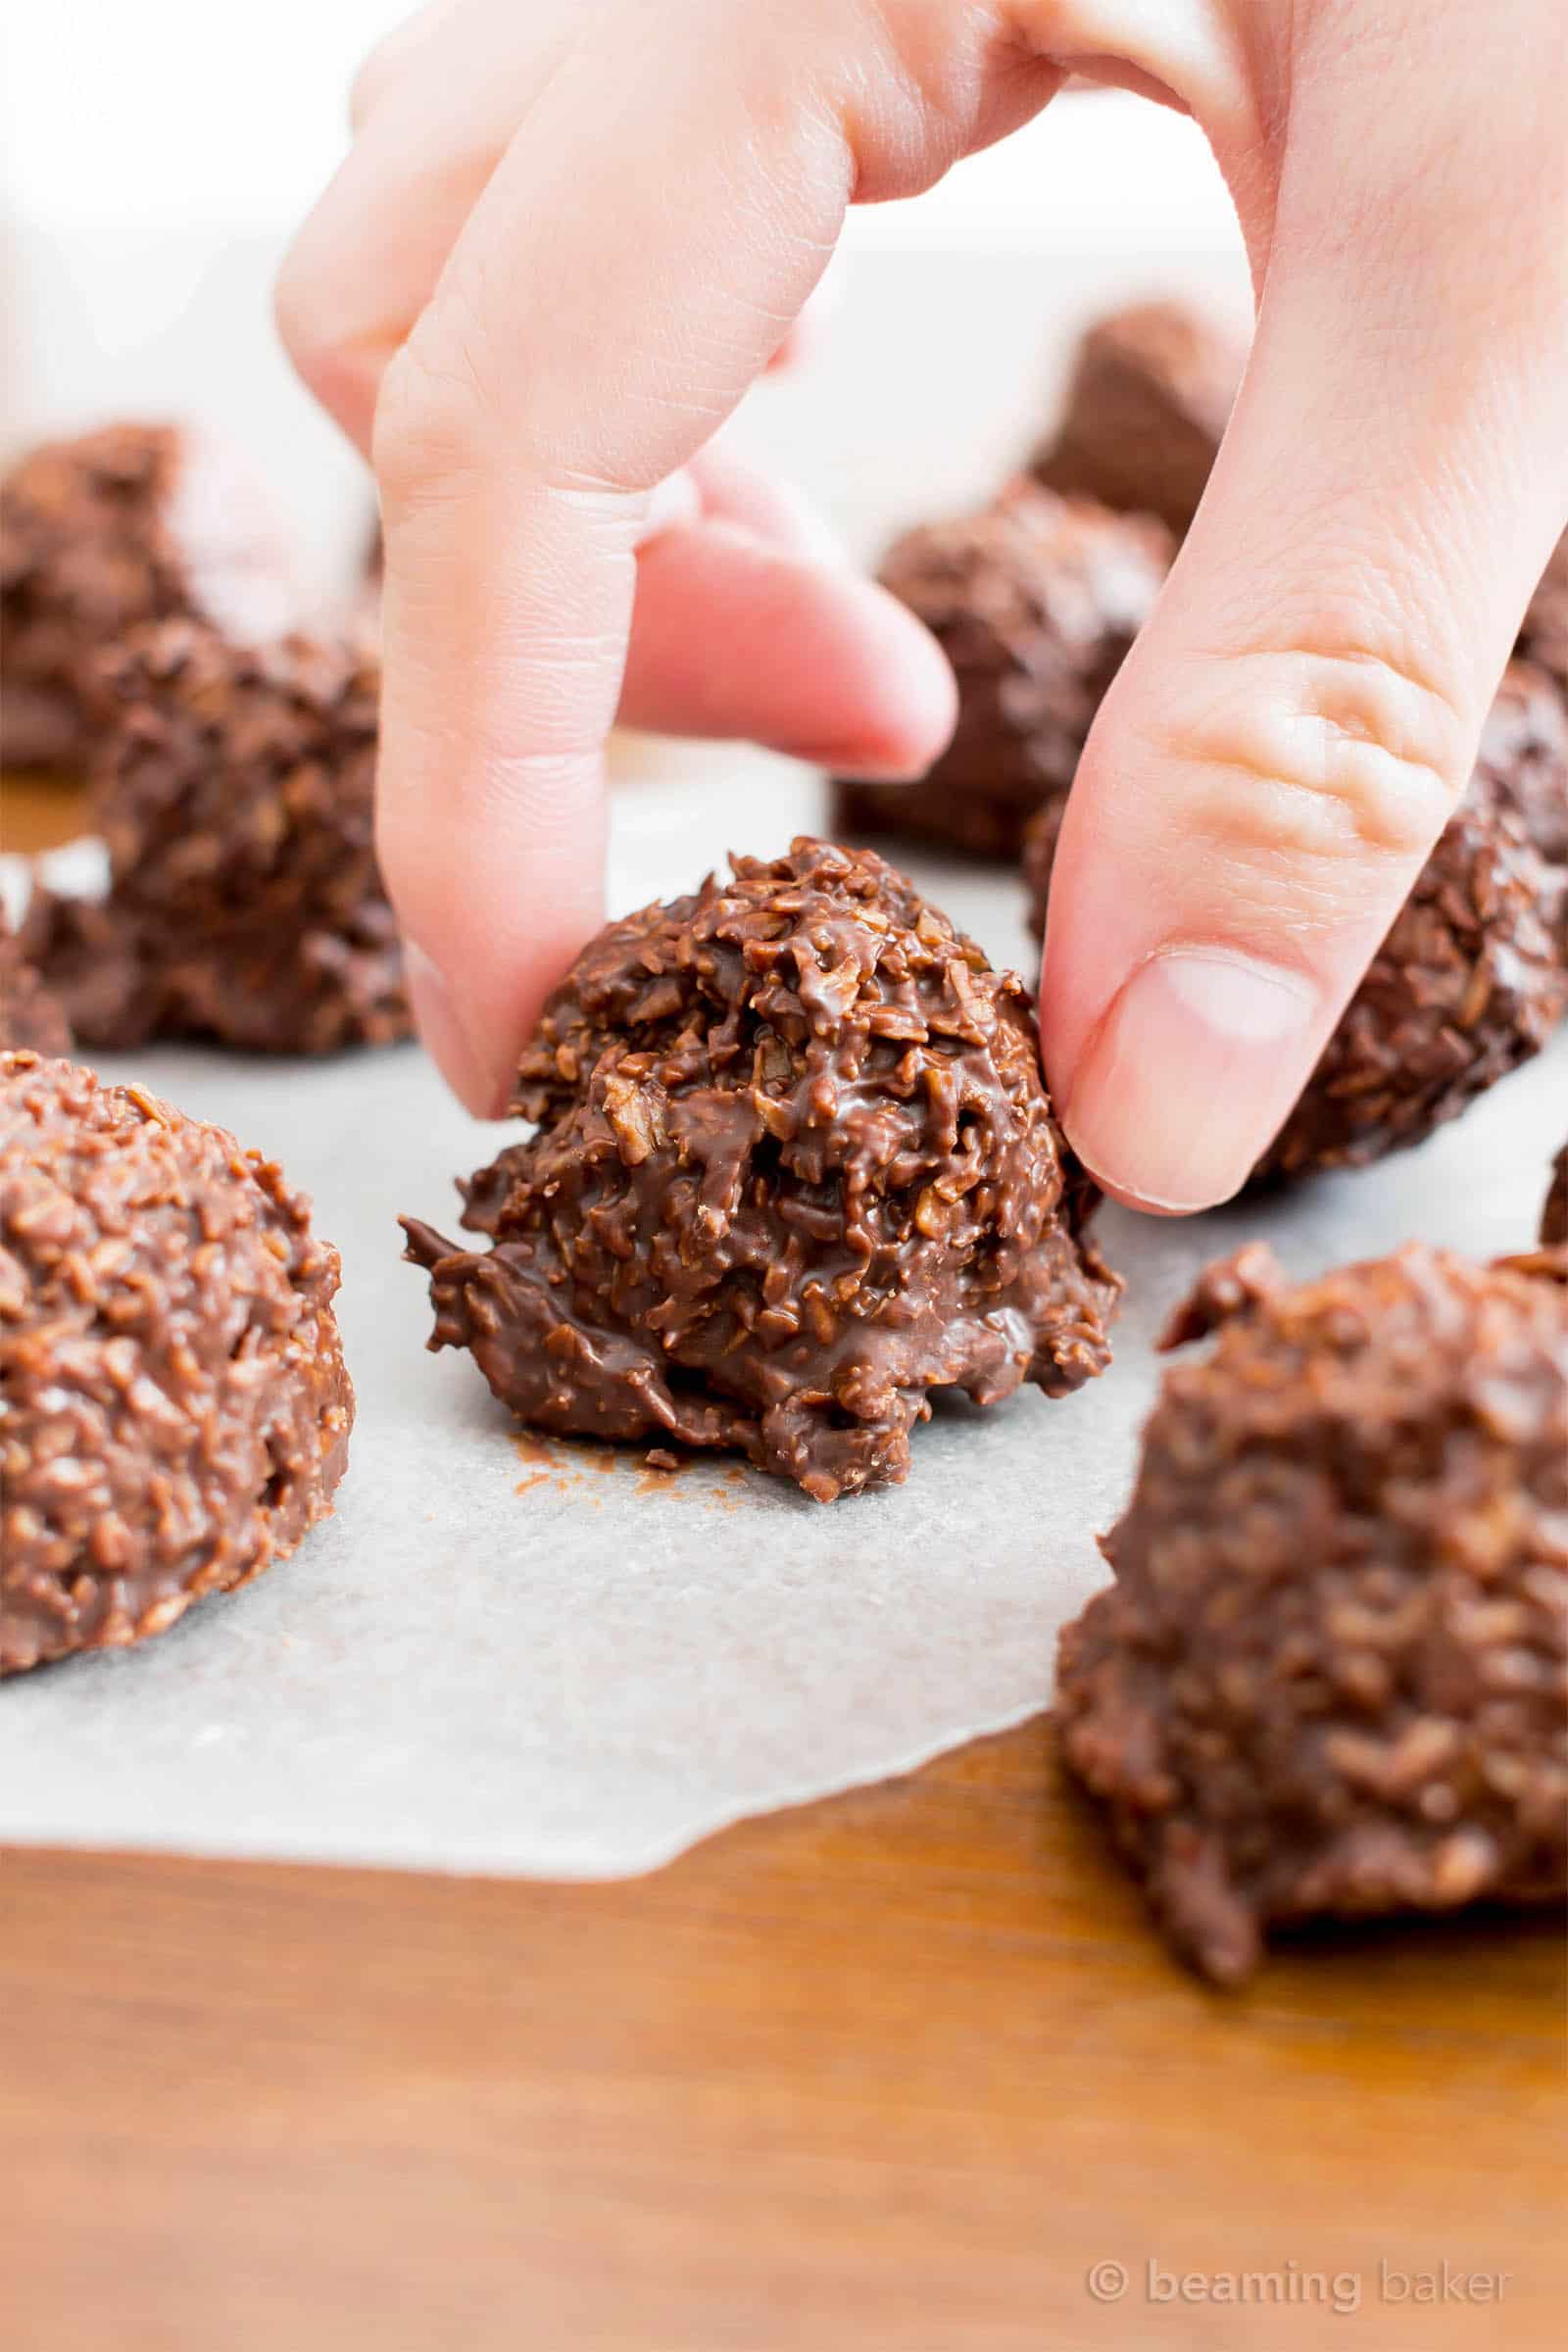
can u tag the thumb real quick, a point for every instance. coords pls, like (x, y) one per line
(1302, 712)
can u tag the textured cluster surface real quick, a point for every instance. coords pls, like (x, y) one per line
(1332, 1674)
(132, 524)
(795, 1168)
(1035, 601)
(177, 1411)
(236, 792)
(29, 1014)
(1473, 977)
(1146, 404)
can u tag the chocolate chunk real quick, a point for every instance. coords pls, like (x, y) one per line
(1543, 637)
(1035, 602)
(1473, 977)
(1148, 402)
(235, 792)
(795, 1169)
(136, 523)
(29, 1014)
(1554, 1216)
(1332, 1674)
(177, 1409)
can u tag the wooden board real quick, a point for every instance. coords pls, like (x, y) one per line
(897, 2070)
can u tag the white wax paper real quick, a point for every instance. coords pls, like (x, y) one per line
(544, 1658)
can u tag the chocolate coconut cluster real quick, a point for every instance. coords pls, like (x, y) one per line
(1038, 597)
(236, 794)
(1331, 1677)
(142, 592)
(133, 523)
(1035, 601)
(1148, 402)
(177, 1409)
(795, 1169)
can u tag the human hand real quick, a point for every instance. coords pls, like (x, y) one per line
(569, 237)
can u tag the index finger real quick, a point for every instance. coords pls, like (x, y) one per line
(587, 334)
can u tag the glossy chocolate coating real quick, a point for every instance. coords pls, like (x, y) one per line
(795, 1169)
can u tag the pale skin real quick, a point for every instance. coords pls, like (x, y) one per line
(571, 233)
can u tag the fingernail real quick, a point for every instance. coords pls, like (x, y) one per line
(1194, 1068)
(480, 1089)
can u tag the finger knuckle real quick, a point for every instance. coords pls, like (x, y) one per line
(1327, 750)
(428, 434)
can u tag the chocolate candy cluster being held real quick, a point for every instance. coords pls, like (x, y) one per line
(794, 1170)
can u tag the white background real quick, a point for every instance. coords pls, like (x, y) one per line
(157, 153)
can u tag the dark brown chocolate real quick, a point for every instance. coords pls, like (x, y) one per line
(176, 1408)
(1472, 979)
(1035, 602)
(133, 523)
(1332, 1675)
(1146, 405)
(1554, 1216)
(795, 1169)
(29, 1014)
(236, 792)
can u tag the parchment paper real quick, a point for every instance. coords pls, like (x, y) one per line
(521, 1658)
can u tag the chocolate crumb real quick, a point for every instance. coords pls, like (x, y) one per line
(1331, 1677)
(177, 1411)
(795, 1168)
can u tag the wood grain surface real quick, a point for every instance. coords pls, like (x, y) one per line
(895, 2070)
